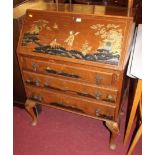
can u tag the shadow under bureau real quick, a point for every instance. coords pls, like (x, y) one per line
(73, 58)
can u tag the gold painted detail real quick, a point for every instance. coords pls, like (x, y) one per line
(70, 38)
(54, 43)
(55, 26)
(37, 26)
(86, 48)
(111, 37)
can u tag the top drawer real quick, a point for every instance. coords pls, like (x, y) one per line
(68, 71)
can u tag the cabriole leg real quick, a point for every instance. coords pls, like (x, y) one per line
(114, 128)
(30, 106)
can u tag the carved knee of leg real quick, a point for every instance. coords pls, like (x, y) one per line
(114, 128)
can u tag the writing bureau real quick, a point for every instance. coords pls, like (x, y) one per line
(73, 58)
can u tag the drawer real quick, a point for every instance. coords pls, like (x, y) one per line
(70, 87)
(71, 103)
(68, 71)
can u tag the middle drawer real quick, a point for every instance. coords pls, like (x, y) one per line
(70, 87)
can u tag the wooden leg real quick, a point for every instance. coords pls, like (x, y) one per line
(137, 136)
(29, 106)
(114, 128)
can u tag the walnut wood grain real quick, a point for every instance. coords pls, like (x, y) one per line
(88, 106)
(67, 77)
(87, 20)
(69, 86)
(84, 73)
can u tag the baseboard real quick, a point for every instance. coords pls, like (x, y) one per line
(18, 104)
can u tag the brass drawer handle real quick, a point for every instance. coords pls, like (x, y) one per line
(46, 84)
(33, 82)
(98, 79)
(36, 98)
(34, 67)
(110, 98)
(97, 112)
(98, 95)
(49, 70)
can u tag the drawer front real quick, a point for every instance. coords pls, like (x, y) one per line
(71, 103)
(71, 87)
(69, 71)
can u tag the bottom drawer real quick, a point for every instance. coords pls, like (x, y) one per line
(99, 110)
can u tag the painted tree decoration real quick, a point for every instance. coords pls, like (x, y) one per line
(37, 26)
(86, 48)
(111, 37)
(32, 35)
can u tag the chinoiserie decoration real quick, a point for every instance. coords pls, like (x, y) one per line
(109, 36)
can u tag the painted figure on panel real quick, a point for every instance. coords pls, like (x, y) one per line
(71, 38)
(54, 43)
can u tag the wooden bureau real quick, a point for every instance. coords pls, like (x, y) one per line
(73, 58)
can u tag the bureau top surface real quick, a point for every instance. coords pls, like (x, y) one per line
(77, 36)
(73, 8)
